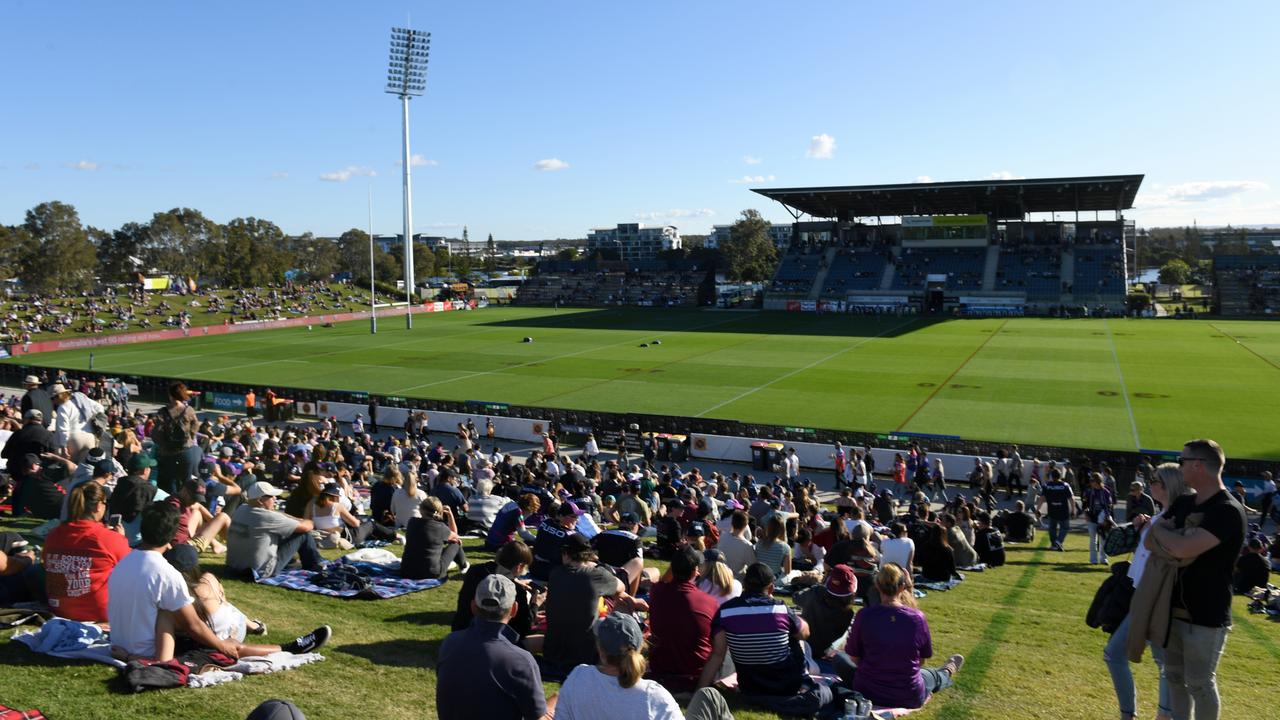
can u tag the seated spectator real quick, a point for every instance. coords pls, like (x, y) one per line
(337, 527)
(888, 643)
(621, 548)
(261, 541)
(964, 554)
(716, 579)
(828, 609)
(671, 531)
(148, 604)
(381, 494)
(898, 550)
(431, 543)
(574, 591)
(552, 534)
(39, 493)
(483, 508)
(615, 687)
(937, 561)
(450, 496)
(806, 554)
(860, 556)
(772, 548)
(132, 493)
(482, 674)
(21, 577)
(224, 619)
(196, 524)
(509, 523)
(79, 556)
(763, 636)
(680, 624)
(511, 561)
(987, 541)
(1252, 569)
(738, 550)
(1020, 525)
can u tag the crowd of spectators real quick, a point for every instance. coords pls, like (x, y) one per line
(612, 288)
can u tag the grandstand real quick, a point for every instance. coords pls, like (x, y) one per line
(1247, 284)
(982, 247)
(601, 284)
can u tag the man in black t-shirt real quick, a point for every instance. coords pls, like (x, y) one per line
(1060, 504)
(1209, 527)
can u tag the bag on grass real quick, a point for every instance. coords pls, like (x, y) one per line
(1110, 604)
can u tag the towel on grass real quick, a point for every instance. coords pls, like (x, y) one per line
(936, 585)
(383, 581)
(275, 662)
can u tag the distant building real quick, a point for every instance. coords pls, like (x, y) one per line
(634, 241)
(780, 233)
(1256, 240)
(434, 242)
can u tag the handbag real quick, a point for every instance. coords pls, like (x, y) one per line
(1121, 539)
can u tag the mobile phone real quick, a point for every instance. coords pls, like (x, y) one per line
(115, 520)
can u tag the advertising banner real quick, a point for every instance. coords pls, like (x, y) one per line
(231, 402)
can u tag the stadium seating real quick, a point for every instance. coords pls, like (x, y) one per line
(854, 270)
(1247, 284)
(1099, 271)
(591, 288)
(963, 267)
(796, 272)
(1034, 269)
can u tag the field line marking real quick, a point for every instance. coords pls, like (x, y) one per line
(1251, 351)
(938, 388)
(500, 371)
(1124, 388)
(780, 378)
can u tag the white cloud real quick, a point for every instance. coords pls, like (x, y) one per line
(677, 214)
(751, 160)
(347, 173)
(923, 179)
(821, 147)
(745, 179)
(1208, 202)
(1003, 175)
(550, 164)
(83, 165)
(279, 175)
(416, 160)
(1212, 189)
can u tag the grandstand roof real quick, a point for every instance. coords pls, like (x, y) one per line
(1002, 199)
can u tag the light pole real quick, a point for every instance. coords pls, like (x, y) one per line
(373, 297)
(407, 77)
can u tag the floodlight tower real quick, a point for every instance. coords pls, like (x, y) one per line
(407, 77)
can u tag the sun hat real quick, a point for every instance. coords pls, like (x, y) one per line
(31, 380)
(841, 582)
(261, 488)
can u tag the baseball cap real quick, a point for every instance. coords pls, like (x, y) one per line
(568, 508)
(841, 582)
(141, 461)
(95, 455)
(673, 503)
(697, 529)
(497, 592)
(276, 710)
(617, 632)
(194, 486)
(32, 459)
(103, 468)
(712, 555)
(33, 414)
(332, 489)
(576, 543)
(31, 380)
(227, 451)
(182, 557)
(628, 518)
(261, 488)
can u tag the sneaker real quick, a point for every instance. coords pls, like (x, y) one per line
(953, 664)
(256, 627)
(310, 642)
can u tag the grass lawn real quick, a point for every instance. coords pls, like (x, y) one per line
(1021, 627)
(1111, 384)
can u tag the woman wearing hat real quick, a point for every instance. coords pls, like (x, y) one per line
(615, 686)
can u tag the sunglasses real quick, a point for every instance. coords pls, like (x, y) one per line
(1185, 460)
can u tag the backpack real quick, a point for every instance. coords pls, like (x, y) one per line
(990, 547)
(93, 416)
(169, 431)
(1121, 539)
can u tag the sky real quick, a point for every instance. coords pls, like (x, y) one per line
(546, 119)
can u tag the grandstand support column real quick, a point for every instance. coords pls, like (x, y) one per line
(821, 278)
(989, 272)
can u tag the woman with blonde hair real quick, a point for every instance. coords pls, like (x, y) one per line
(406, 501)
(1167, 485)
(615, 686)
(889, 642)
(716, 579)
(431, 543)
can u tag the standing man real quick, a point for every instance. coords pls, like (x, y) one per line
(373, 415)
(37, 398)
(1060, 503)
(840, 460)
(250, 404)
(792, 463)
(1015, 473)
(1201, 608)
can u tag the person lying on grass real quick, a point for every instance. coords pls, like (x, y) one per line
(224, 619)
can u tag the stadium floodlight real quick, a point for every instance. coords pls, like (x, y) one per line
(407, 77)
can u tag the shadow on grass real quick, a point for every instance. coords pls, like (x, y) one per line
(397, 653)
(978, 662)
(440, 618)
(774, 323)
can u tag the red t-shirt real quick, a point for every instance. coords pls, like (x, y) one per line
(78, 559)
(183, 533)
(680, 633)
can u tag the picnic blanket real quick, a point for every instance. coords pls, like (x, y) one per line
(383, 580)
(8, 713)
(940, 585)
(730, 682)
(86, 641)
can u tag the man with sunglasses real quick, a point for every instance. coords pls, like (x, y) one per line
(1208, 527)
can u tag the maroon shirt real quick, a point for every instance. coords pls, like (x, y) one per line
(679, 634)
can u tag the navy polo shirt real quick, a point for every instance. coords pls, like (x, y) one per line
(482, 674)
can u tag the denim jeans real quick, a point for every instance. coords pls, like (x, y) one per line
(173, 470)
(304, 546)
(808, 700)
(1116, 656)
(1058, 530)
(1096, 538)
(935, 681)
(1191, 666)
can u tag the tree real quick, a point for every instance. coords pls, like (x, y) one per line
(314, 258)
(62, 258)
(569, 253)
(1175, 272)
(749, 253)
(490, 255)
(185, 242)
(252, 253)
(120, 253)
(16, 243)
(424, 261)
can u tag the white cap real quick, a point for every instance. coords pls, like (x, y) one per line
(261, 488)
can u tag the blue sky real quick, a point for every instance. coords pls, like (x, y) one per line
(544, 119)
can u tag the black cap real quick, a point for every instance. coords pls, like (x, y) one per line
(628, 518)
(576, 543)
(757, 577)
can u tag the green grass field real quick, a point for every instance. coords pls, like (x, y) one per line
(1110, 384)
(1021, 628)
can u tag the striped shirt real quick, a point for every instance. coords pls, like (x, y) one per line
(761, 634)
